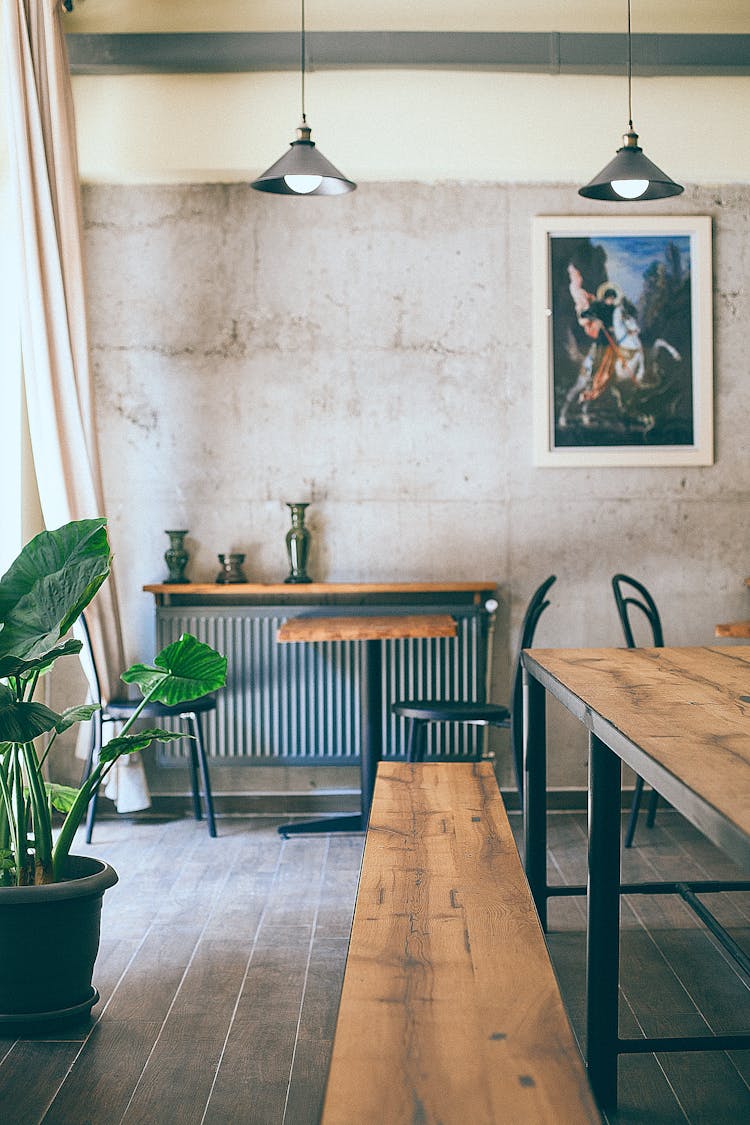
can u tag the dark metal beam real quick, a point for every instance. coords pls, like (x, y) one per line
(531, 52)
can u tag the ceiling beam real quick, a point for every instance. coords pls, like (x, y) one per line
(532, 52)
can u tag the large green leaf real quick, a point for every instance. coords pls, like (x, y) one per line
(184, 670)
(61, 796)
(49, 585)
(72, 715)
(131, 743)
(23, 722)
(13, 666)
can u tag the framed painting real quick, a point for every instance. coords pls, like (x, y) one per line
(623, 339)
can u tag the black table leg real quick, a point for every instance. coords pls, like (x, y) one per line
(370, 752)
(535, 793)
(603, 944)
(372, 726)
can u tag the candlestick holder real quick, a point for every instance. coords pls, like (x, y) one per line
(231, 569)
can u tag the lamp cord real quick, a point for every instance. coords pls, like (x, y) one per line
(302, 61)
(630, 72)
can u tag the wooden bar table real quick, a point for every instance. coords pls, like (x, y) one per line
(737, 629)
(372, 631)
(679, 717)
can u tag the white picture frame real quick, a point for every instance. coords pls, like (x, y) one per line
(638, 390)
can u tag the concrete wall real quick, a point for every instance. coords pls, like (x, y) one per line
(372, 354)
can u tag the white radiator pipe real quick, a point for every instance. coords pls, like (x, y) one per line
(491, 607)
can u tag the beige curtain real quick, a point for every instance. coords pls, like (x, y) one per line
(54, 335)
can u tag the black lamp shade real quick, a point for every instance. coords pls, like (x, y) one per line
(630, 163)
(303, 160)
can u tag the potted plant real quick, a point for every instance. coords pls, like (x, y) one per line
(50, 901)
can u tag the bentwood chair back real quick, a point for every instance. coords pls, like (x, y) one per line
(420, 712)
(119, 710)
(629, 595)
(632, 595)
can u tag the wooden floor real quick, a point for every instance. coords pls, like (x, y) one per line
(221, 965)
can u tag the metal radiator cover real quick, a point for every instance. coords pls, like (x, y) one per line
(299, 703)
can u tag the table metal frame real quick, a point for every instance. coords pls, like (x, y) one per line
(608, 749)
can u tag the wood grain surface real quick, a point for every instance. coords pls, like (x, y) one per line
(734, 629)
(684, 707)
(450, 1010)
(367, 628)
(233, 589)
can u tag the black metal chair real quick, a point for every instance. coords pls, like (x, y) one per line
(420, 712)
(119, 710)
(630, 594)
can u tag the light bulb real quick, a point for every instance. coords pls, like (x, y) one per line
(303, 185)
(630, 189)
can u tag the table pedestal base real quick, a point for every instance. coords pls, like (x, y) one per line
(345, 823)
(372, 742)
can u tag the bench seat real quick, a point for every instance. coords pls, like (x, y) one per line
(450, 1010)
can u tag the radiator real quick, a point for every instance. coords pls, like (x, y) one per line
(287, 703)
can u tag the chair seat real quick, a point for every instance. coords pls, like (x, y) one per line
(124, 708)
(120, 710)
(433, 710)
(419, 713)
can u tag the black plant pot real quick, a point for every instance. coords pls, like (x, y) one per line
(49, 939)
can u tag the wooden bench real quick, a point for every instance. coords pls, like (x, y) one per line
(450, 1011)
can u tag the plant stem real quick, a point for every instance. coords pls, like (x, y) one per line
(47, 749)
(39, 811)
(20, 816)
(9, 824)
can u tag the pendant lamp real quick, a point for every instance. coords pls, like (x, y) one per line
(303, 170)
(631, 175)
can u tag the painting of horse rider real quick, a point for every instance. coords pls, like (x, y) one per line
(622, 359)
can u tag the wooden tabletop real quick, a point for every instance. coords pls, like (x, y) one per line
(365, 628)
(684, 712)
(740, 629)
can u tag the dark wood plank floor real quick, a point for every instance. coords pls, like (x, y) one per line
(221, 966)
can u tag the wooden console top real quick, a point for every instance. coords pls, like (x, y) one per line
(248, 592)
